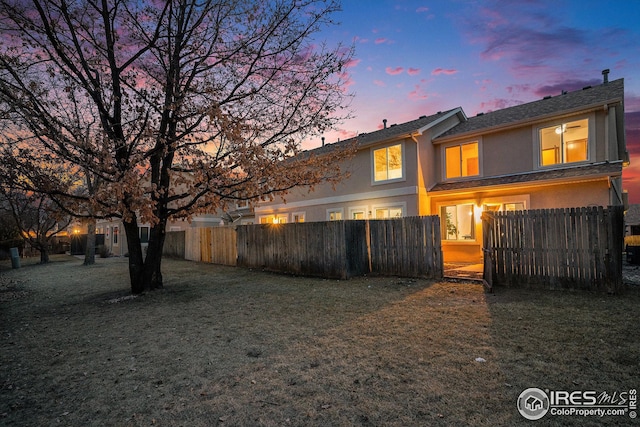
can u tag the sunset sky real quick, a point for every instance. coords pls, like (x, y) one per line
(417, 57)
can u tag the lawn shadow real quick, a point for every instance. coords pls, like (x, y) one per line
(564, 340)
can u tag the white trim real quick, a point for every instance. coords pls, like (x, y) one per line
(394, 192)
(373, 163)
(335, 210)
(364, 209)
(401, 205)
(591, 141)
(271, 217)
(301, 214)
(450, 114)
(460, 144)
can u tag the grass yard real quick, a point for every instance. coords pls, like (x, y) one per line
(232, 347)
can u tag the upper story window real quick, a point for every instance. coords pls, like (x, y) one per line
(388, 163)
(564, 143)
(462, 160)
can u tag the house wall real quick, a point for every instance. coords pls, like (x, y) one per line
(356, 192)
(560, 195)
(516, 150)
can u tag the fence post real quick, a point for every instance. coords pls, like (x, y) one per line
(487, 251)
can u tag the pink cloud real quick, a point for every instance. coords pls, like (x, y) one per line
(413, 71)
(394, 71)
(379, 83)
(417, 93)
(352, 63)
(439, 71)
(380, 40)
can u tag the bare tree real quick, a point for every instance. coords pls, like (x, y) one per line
(37, 217)
(197, 104)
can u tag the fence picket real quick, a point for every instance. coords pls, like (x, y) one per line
(558, 248)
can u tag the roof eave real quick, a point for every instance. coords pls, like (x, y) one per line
(533, 120)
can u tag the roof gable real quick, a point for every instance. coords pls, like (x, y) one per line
(537, 110)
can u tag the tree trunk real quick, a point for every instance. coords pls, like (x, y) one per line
(136, 262)
(145, 273)
(90, 250)
(44, 254)
(153, 261)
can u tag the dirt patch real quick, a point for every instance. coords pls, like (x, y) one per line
(233, 347)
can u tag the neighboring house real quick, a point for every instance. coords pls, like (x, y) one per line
(115, 238)
(558, 152)
(632, 221)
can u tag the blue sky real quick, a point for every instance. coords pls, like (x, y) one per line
(417, 57)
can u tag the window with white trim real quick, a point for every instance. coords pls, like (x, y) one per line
(462, 160)
(334, 214)
(274, 219)
(566, 142)
(357, 214)
(388, 212)
(388, 163)
(297, 217)
(457, 222)
(504, 207)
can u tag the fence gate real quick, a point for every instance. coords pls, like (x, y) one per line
(577, 248)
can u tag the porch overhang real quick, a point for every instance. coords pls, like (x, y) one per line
(579, 174)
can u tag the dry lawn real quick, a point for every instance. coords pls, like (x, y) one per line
(232, 347)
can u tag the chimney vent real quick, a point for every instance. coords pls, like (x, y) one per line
(384, 123)
(323, 141)
(605, 75)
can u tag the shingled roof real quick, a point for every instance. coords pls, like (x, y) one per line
(584, 99)
(392, 132)
(593, 171)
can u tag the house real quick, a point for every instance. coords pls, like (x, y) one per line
(115, 238)
(632, 220)
(558, 152)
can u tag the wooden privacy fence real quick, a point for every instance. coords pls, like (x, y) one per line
(174, 244)
(408, 247)
(327, 249)
(216, 245)
(578, 248)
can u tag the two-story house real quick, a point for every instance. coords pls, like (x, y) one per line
(562, 151)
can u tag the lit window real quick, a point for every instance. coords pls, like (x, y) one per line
(457, 222)
(510, 207)
(388, 163)
(334, 215)
(357, 215)
(115, 235)
(462, 160)
(391, 212)
(504, 207)
(274, 219)
(564, 143)
(298, 216)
